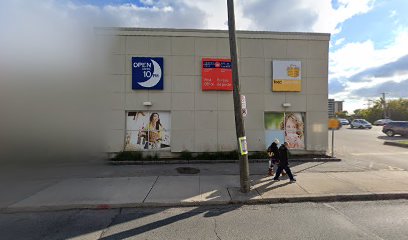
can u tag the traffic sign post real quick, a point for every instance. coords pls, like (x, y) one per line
(333, 124)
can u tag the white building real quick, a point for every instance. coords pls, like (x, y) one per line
(195, 107)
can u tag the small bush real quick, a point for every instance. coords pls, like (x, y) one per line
(204, 156)
(127, 155)
(154, 157)
(258, 155)
(186, 155)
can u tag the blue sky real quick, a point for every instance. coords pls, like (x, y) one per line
(377, 24)
(367, 54)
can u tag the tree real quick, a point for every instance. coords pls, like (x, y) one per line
(343, 114)
(397, 110)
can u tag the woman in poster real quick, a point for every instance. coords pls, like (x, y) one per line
(294, 130)
(155, 130)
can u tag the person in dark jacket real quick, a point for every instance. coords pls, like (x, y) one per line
(283, 162)
(273, 153)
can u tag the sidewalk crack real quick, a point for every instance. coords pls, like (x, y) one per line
(363, 229)
(113, 219)
(215, 229)
(157, 178)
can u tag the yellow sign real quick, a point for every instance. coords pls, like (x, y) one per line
(286, 86)
(243, 145)
(334, 124)
(293, 71)
(286, 76)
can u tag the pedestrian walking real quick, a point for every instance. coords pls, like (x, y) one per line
(284, 163)
(273, 153)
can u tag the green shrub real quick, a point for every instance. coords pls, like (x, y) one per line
(186, 155)
(127, 155)
(154, 157)
(204, 156)
(258, 155)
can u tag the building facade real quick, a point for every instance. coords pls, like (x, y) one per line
(170, 90)
(334, 107)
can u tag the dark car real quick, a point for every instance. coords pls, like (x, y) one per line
(396, 127)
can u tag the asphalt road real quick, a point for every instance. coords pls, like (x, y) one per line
(341, 220)
(365, 148)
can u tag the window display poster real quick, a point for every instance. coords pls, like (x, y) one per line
(273, 120)
(147, 130)
(294, 130)
(286, 127)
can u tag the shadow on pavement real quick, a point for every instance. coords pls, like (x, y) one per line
(134, 232)
(394, 138)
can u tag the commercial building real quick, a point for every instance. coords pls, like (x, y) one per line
(171, 89)
(334, 107)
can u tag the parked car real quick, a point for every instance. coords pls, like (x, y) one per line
(360, 123)
(344, 121)
(396, 127)
(382, 122)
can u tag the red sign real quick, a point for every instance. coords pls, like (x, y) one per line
(216, 74)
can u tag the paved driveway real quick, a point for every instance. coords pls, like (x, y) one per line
(365, 148)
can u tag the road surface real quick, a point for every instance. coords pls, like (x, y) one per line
(340, 220)
(365, 148)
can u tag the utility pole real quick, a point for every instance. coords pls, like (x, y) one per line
(239, 121)
(384, 105)
(369, 101)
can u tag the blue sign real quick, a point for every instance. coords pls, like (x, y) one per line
(147, 73)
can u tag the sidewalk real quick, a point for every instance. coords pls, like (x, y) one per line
(190, 190)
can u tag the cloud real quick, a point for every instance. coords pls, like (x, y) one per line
(392, 88)
(336, 86)
(284, 15)
(303, 15)
(387, 70)
(355, 57)
(339, 41)
(393, 13)
(163, 14)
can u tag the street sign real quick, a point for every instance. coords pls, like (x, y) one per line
(334, 124)
(244, 110)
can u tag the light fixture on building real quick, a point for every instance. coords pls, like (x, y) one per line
(286, 105)
(147, 104)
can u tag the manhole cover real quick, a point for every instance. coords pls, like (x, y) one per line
(187, 170)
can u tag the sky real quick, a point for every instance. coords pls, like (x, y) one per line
(367, 54)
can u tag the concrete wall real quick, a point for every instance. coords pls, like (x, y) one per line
(204, 121)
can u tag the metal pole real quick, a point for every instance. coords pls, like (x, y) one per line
(384, 105)
(332, 152)
(239, 121)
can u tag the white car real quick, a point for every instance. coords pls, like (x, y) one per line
(344, 121)
(360, 123)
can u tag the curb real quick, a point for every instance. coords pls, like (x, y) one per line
(396, 144)
(156, 162)
(274, 200)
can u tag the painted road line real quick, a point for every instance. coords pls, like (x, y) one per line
(378, 154)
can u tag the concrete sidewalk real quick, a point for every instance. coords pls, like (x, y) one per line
(190, 190)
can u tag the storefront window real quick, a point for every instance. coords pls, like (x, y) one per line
(286, 127)
(147, 131)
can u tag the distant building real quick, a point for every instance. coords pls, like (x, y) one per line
(334, 106)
